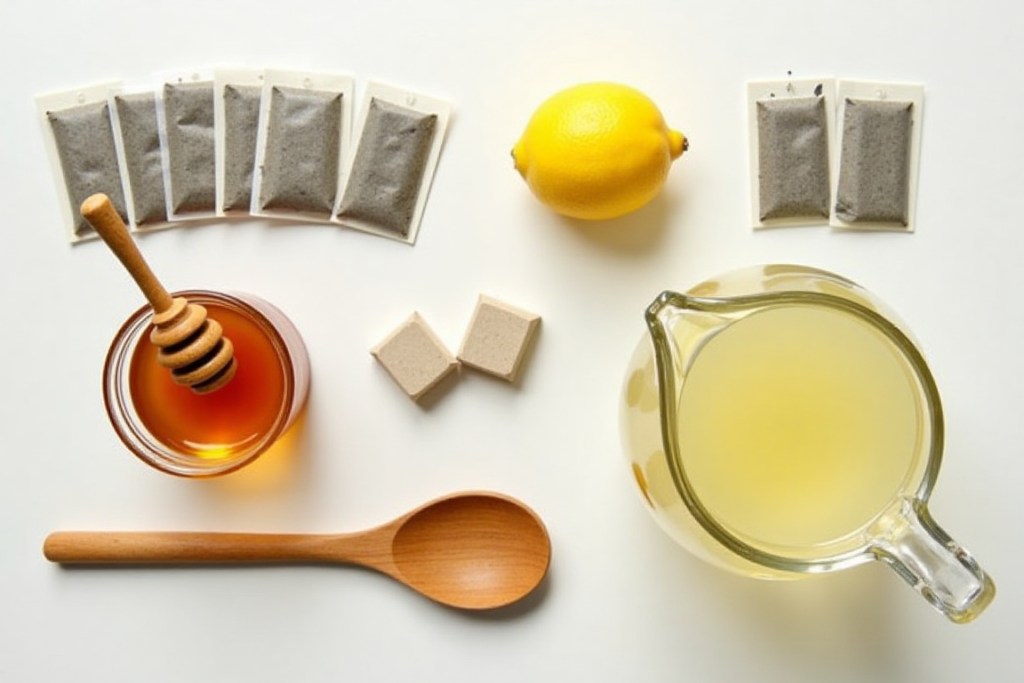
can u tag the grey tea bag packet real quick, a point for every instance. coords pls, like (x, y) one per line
(185, 110)
(238, 93)
(79, 136)
(791, 132)
(304, 132)
(397, 149)
(137, 135)
(878, 148)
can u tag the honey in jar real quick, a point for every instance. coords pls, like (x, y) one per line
(181, 432)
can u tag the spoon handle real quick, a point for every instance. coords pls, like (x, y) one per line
(173, 547)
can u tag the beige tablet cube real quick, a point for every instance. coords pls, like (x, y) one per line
(498, 338)
(415, 357)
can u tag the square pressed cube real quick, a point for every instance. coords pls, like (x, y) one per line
(498, 338)
(415, 357)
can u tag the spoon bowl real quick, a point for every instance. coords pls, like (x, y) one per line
(474, 551)
(471, 550)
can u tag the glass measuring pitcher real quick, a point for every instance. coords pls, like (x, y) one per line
(780, 422)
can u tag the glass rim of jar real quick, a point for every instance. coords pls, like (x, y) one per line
(848, 552)
(120, 407)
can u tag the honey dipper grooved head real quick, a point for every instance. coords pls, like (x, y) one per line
(193, 346)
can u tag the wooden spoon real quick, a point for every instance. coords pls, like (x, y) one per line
(192, 346)
(472, 550)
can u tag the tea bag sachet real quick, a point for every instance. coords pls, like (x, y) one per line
(791, 132)
(878, 148)
(237, 93)
(185, 105)
(137, 136)
(79, 136)
(398, 144)
(304, 130)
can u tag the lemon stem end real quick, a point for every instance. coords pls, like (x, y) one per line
(677, 143)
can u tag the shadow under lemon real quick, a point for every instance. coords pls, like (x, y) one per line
(638, 232)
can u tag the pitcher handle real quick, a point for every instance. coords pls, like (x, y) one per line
(935, 565)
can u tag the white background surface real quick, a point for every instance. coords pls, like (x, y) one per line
(622, 603)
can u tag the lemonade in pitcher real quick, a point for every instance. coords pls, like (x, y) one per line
(780, 422)
(798, 424)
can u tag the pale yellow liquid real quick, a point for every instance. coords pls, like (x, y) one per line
(798, 425)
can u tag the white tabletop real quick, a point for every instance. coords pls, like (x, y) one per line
(621, 602)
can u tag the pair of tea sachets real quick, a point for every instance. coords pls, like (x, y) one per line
(206, 144)
(841, 153)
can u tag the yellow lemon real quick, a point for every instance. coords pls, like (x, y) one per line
(597, 151)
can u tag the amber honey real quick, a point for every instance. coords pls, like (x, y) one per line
(181, 432)
(224, 421)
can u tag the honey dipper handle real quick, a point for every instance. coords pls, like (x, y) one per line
(103, 217)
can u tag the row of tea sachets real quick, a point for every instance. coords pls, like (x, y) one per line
(842, 153)
(204, 144)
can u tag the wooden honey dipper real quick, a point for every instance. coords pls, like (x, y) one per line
(192, 346)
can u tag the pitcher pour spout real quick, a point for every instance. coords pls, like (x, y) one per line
(667, 313)
(669, 302)
(669, 306)
(935, 565)
(679, 325)
(677, 328)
